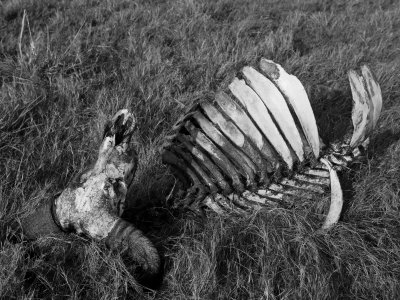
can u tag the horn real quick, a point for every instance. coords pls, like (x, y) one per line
(41, 222)
(129, 240)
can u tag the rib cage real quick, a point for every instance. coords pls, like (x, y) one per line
(257, 144)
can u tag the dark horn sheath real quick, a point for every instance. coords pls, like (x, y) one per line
(131, 241)
(42, 222)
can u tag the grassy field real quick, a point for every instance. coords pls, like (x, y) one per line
(75, 63)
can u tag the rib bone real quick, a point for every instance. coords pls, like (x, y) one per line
(237, 137)
(259, 113)
(276, 104)
(242, 162)
(246, 125)
(336, 198)
(295, 94)
(219, 158)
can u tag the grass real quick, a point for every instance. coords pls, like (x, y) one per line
(78, 62)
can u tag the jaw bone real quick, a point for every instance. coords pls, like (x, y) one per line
(273, 117)
(92, 203)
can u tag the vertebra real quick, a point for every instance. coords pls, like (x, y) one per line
(260, 144)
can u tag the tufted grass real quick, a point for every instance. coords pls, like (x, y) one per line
(75, 63)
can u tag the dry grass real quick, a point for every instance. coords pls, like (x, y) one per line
(81, 61)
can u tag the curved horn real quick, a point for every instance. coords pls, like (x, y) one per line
(126, 237)
(41, 222)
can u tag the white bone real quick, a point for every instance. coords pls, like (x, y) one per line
(374, 93)
(289, 191)
(242, 121)
(210, 203)
(276, 104)
(317, 172)
(294, 93)
(302, 185)
(260, 199)
(336, 197)
(259, 113)
(311, 179)
(361, 109)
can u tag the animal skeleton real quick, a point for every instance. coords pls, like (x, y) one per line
(231, 154)
(261, 145)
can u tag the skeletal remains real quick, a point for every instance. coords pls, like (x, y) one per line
(94, 201)
(260, 145)
(235, 153)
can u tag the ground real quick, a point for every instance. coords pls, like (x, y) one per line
(69, 65)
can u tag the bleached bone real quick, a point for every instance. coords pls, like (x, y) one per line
(237, 138)
(295, 94)
(218, 157)
(276, 104)
(361, 109)
(259, 126)
(336, 197)
(242, 121)
(203, 159)
(90, 204)
(259, 113)
(201, 174)
(242, 162)
(374, 93)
